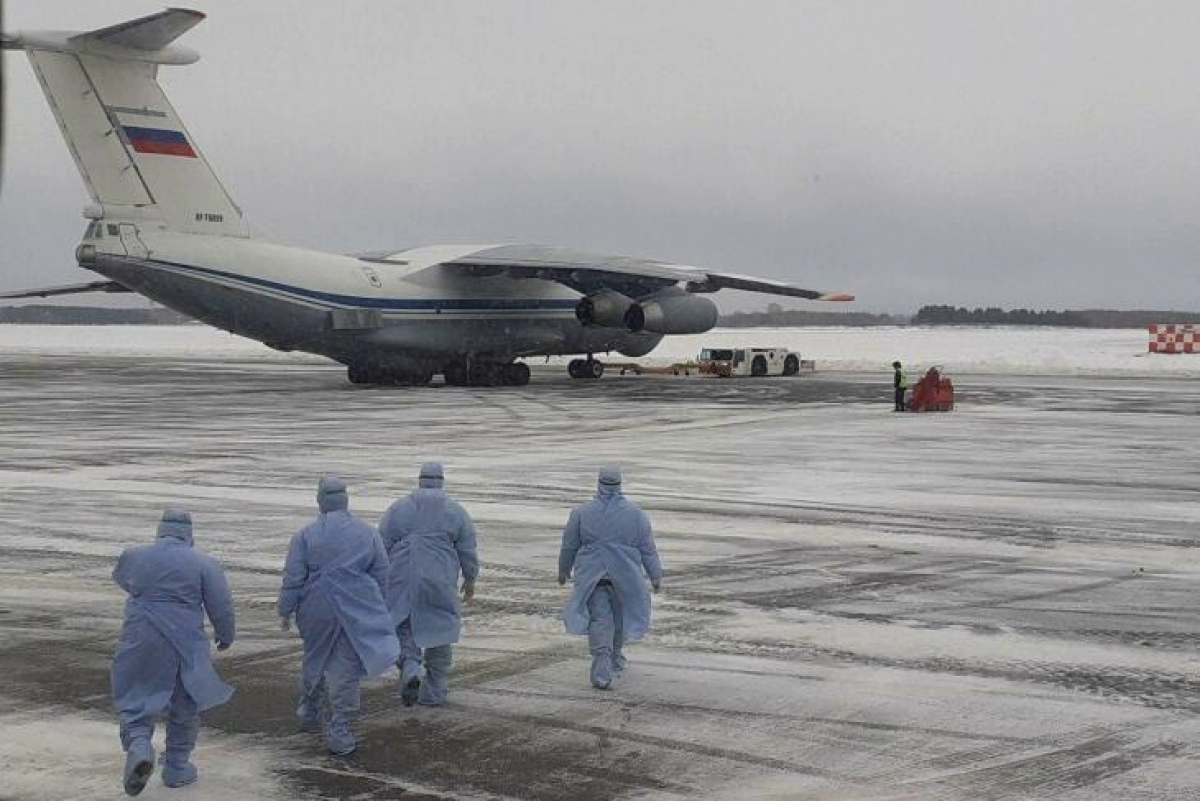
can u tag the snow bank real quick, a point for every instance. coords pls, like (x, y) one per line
(961, 350)
(976, 349)
(181, 341)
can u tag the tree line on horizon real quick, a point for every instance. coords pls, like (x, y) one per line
(993, 315)
(1080, 318)
(45, 314)
(775, 316)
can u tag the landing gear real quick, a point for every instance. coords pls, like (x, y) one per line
(383, 376)
(585, 368)
(515, 374)
(456, 374)
(486, 374)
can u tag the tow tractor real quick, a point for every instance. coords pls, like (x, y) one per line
(713, 362)
(729, 362)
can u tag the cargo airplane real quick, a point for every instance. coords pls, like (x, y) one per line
(161, 224)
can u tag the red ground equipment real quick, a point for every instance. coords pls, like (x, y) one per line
(933, 393)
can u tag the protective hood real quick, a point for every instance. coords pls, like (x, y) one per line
(332, 495)
(175, 524)
(432, 476)
(609, 483)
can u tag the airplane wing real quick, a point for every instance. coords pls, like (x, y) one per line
(591, 272)
(717, 281)
(66, 289)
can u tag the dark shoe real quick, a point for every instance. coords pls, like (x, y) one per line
(411, 691)
(139, 766)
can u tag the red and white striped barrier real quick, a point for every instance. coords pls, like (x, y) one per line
(1173, 339)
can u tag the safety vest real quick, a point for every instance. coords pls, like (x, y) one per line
(903, 379)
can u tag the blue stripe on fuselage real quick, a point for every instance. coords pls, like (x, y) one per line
(398, 304)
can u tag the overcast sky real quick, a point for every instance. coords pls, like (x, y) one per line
(1040, 153)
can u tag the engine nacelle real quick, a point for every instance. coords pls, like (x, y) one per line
(672, 311)
(604, 309)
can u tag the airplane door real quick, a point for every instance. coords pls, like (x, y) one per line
(132, 242)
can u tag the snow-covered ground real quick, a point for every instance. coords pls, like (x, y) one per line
(997, 603)
(996, 350)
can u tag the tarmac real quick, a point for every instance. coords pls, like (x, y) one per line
(994, 603)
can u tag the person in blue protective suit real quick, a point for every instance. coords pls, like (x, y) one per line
(334, 582)
(608, 546)
(162, 663)
(430, 540)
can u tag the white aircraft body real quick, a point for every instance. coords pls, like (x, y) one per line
(162, 225)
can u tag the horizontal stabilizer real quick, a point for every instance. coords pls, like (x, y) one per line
(66, 289)
(147, 33)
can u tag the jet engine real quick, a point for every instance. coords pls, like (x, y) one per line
(603, 309)
(672, 311)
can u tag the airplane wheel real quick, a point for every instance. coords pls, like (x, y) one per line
(484, 374)
(456, 374)
(791, 365)
(594, 369)
(392, 379)
(575, 368)
(516, 374)
(357, 374)
(758, 367)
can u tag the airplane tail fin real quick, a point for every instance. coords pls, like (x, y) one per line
(136, 157)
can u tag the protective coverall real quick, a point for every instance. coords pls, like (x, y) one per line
(162, 663)
(608, 545)
(430, 540)
(333, 582)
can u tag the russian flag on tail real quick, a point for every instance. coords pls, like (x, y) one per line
(158, 140)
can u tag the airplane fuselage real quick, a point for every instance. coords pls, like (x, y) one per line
(401, 312)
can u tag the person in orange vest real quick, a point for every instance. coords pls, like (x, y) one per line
(900, 382)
